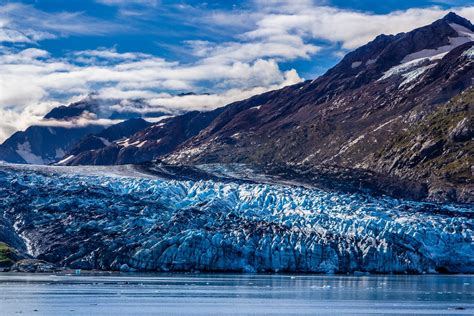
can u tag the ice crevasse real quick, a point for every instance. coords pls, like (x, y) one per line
(133, 223)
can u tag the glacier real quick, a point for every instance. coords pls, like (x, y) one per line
(130, 222)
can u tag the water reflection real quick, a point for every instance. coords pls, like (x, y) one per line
(228, 294)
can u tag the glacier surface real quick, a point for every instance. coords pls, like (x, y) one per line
(146, 224)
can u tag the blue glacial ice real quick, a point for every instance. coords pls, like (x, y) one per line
(136, 223)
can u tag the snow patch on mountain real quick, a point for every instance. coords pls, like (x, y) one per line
(469, 53)
(414, 74)
(371, 61)
(65, 160)
(59, 153)
(25, 152)
(463, 31)
(415, 64)
(104, 141)
(140, 145)
(465, 36)
(403, 68)
(126, 143)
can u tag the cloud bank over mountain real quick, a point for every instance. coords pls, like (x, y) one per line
(238, 52)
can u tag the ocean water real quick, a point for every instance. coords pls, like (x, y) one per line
(235, 294)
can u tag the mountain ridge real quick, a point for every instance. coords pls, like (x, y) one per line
(341, 118)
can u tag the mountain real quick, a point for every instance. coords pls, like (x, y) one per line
(95, 142)
(63, 129)
(41, 144)
(346, 114)
(145, 145)
(439, 148)
(342, 119)
(49, 143)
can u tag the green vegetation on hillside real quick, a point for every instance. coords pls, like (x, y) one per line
(7, 255)
(440, 146)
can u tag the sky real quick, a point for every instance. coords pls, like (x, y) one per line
(181, 55)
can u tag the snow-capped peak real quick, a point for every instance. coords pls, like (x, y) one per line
(464, 36)
(463, 31)
(414, 64)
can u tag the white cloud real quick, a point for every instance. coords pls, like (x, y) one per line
(84, 119)
(108, 54)
(246, 63)
(32, 78)
(129, 2)
(284, 48)
(20, 23)
(309, 21)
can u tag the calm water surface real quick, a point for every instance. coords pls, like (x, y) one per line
(228, 294)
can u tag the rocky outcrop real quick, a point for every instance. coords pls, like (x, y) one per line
(438, 150)
(42, 145)
(90, 222)
(107, 136)
(34, 266)
(8, 255)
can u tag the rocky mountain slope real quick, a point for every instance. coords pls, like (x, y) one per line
(145, 145)
(95, 142)
(341, 119)
(439, 148)
(349, 112)
(349, 118)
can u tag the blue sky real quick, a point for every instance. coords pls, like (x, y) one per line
(160, 27)
(56, 51)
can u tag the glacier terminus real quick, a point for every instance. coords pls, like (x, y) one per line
(134, 221)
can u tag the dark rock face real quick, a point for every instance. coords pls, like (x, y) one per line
(347, 115)
(34, 266)
(147, 144)
(42, 145)
(439, 148)
(73, 110)
(9, 154)
(108, 135)
(464, 131)
(124, 129)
